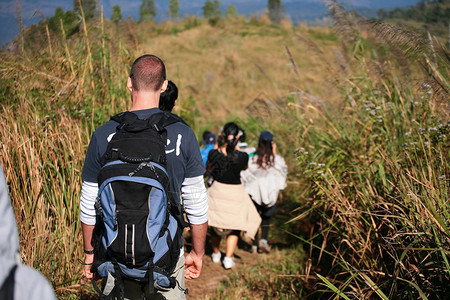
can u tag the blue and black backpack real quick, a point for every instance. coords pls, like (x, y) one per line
(139, 226)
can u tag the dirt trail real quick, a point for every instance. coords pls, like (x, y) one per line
(212, 274)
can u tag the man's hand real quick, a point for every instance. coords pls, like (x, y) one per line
(194, 260)
(193, 265)
(88, 260)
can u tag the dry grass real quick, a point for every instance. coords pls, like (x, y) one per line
(54, 100)
(224, 69)
(42, 159)
(301, 83)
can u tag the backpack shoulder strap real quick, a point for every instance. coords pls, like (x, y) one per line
(163, 119)
(130, 122)
(126, 116)
(158, 121)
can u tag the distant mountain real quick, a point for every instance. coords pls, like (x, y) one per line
(425, 17)
(377, 4)
(297, 10)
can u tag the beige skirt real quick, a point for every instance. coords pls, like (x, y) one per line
(230, 207)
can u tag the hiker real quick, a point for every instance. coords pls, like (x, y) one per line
(230, 208)
(17, 281)
(263, 180)
(185, 171)
(243, 146)
(208, 143)
(168, 98)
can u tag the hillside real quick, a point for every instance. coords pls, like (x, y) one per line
(298, 10)
(359, 110)
(431, 15)
(239, 64)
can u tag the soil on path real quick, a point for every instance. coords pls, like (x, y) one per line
(213, 274)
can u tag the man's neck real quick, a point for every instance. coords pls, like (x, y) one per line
(144, 100)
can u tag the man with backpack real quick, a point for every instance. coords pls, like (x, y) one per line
(138, 245)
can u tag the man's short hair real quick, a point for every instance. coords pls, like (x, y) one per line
(168, 97)
(148, 73)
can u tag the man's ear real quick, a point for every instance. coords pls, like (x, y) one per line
(164, 85)
(129, 84)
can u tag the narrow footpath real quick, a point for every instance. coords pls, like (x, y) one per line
(213, 274)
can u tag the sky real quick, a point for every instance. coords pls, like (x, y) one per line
(34, 10)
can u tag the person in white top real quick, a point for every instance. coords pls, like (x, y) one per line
(243, 146)
(263, 180)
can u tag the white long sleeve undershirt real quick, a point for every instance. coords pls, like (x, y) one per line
(194, 198)
(89, 192)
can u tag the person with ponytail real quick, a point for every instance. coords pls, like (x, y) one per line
(263, 180)
(230, 208)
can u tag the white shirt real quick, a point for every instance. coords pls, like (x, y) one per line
(264, 185)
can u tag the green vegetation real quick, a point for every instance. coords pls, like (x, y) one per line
(276, 11)
(379, 188)
(359, 112)
(173, 9)
(275, 277)
(231, 12)
(376, 172)
(427, 15)
(147, 10)
(426, 11)
(89, 8)
(68, 19)
(211, 11)
(116, 15)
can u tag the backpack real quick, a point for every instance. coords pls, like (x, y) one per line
(138, 232)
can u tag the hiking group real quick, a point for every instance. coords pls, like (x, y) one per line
(144, 179)
(143, 185)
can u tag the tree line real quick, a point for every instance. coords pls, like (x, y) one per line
(69, 20)
(426, 11)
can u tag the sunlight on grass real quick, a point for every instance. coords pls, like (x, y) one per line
(362, 123)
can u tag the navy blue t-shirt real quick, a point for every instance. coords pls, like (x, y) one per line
(183, 154)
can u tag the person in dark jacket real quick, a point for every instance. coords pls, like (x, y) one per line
(168, 98)
(231, 210)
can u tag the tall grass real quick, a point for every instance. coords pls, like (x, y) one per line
(375, 167)
(269, 277)
(379, 171)
(53, 97)
(42, 160)
(361, 126)
(380, 190)
(49, 108)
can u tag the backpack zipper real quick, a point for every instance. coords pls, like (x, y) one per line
(115, 220)
(141, 166)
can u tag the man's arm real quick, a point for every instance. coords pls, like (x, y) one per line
(87, 242)
(196, 204)
(194, 260)
(87, 217)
